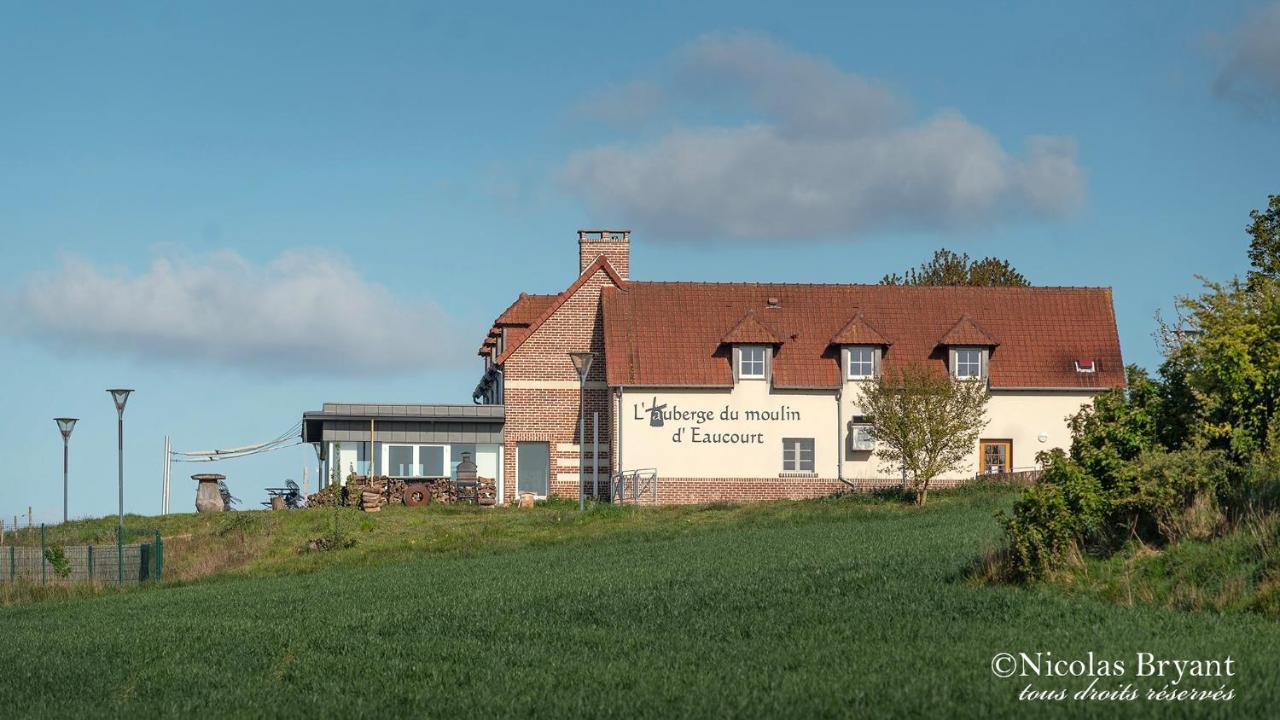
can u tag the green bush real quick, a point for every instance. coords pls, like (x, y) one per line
(57, 559)
(1163, 496)
(1066, 510)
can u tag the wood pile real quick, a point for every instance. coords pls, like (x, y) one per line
(487, 496)
(371, 500)
(370, 495)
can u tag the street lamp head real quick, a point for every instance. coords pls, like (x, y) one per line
(582, 363)
(120, 396)
(66, 425)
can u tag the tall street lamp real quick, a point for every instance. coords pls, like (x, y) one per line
(582, 363)
(65, 426)
(120, 396)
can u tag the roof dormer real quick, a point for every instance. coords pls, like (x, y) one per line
(967, 332)
(752, 345)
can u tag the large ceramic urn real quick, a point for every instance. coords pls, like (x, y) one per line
(208, 496)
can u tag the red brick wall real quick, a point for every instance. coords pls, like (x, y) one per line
(679, 491)
(618, 253)
(551, 414)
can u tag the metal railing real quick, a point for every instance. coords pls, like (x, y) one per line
(1023, 475)
(643, 483)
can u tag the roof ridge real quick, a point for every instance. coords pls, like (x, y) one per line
(929, 288)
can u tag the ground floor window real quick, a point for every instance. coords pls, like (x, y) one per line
(797, 454)
(415, 460)
(995, 456)
(533, 467)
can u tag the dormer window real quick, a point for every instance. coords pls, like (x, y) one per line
(753, 362)
(969, 363)
(861, 361)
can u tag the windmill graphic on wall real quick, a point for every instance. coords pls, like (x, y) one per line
(655, 413)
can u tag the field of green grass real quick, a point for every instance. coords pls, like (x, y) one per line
(846, 607)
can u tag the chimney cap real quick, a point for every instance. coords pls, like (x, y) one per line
(603, 235)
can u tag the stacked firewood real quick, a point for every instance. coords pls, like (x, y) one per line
(487, 493)
(371, 501)
(326, 497)
(361, 491)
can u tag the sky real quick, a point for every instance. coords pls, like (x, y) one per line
(244, 210)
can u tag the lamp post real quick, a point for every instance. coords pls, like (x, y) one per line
(65, 426)
(120, 396)
(582, 363)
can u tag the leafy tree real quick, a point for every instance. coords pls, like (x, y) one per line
(924, 423)
(1117, 426)
(1264, 250)
(948, 268)
(1227, 346)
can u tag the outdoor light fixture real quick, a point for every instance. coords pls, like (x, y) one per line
(582, 363)
(65, 426)
(120, 396)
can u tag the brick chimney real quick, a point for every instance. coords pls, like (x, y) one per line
(615, 245)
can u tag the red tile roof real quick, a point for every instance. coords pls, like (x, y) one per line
(525, 309)
(750, 330)
(859, 332)
(669, 334)
(967, 332)
(516, 339)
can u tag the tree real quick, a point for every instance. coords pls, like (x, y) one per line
(1264, 250)
(1117, 426)
(1227, 345)
(948, 268)
(924, 423)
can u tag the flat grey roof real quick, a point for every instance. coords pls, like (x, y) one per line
(404, 422)
(408, 411)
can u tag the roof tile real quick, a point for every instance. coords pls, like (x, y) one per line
(670, 333)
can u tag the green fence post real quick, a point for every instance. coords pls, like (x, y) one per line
(42, 560)
(159, 557)
(120, 553)
(91, 578)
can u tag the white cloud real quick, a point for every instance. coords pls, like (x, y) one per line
(820, 153)
(1251, 76)
(303, 311)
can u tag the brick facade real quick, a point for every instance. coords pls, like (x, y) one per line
(676, 491)
(671, 336)
(541, 388)
(614, 245)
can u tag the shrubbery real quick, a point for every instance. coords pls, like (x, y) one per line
(1186, 455)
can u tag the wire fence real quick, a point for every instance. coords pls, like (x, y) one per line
(117, 562)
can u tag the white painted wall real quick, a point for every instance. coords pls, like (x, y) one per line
(673, 448)
(1020, 416)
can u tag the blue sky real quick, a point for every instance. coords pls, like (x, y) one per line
(187, 190)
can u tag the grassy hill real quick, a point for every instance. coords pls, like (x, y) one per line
(842, 607)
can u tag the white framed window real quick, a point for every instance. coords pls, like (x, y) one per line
(409, 460)
(862, 362)
(969, 363)
(752, 362)
(797, 455)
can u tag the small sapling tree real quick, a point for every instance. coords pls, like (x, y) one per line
(925, 423)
